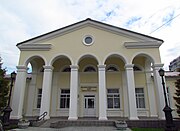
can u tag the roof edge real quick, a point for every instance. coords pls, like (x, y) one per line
(89, 20)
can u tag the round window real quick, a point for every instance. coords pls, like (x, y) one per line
(88, 40)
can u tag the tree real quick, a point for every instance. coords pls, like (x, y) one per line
(4, 87)
(177, 97)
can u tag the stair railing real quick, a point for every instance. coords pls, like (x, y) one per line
(42, 116)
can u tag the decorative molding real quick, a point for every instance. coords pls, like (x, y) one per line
(35, 47)
(21, 68)
(144, 44)
(157, 66)
(47, 67)
(74, 67)
(101, 66)
(129, 66)
(91, 23)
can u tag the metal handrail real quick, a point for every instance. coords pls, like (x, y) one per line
(41, 117)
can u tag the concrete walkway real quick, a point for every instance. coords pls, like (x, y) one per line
(103, 128)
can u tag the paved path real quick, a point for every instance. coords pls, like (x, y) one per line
(104, 128)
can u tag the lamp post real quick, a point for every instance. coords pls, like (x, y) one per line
(8, 109)
(167, 110)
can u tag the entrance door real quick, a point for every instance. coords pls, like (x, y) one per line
(89, 105)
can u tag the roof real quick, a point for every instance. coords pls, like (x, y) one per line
(172, 74)
(89, 22)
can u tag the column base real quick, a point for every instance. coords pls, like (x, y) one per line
(133, 118)
(103, 118)
(47, 117)
(72, 118)
(162, 118)
(15, 117)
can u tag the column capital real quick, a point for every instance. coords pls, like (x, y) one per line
(74, 66)
(157, 66)
(101, 66)
(21, 68)
(46, 67)
(129, 66)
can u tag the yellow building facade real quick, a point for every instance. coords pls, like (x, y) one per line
(89, 69)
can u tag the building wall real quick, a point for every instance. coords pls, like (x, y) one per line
(170, 84)
(65, 44)
(68, 49)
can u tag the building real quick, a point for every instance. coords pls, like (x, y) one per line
(89, 69)
(175, 65)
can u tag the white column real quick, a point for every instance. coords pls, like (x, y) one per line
(159, 90)
(46, 91)
(19, 91)
(150, 90)
(102, 92)
(73, 93)
(131, 92)
(125, 94)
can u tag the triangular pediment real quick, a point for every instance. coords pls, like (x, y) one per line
(90, 23)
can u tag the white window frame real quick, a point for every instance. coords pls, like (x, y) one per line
(39, 98)
(66, 99)
(84, 40)
(114, 97)
(138, 97)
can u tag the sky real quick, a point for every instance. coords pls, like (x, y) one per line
(21, 20)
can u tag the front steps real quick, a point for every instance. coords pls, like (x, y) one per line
(64, 122)
(67, 123)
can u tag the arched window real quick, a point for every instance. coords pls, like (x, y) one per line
(42, 69)
(112, 68)
(89, 69)
(66, 69)
(137, 68)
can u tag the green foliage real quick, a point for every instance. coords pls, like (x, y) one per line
(177, 97)
(4, 89)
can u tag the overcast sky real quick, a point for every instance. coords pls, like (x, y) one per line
(23, 19)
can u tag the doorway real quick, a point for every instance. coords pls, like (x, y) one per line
(89, 105)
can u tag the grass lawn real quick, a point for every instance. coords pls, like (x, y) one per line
(147, 129)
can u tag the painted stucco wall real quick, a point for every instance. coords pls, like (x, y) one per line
(170, 84)
(70, 45)
(105, 43)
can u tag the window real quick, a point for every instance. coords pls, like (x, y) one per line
(42, 69)
(90, 69)
(140, 99)
(39, 98)
(88, 40)
(112, 69)
(136, 68)
(113, 99)
(65, 98)
(67, 69)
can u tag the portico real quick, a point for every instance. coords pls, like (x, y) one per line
(91, 80)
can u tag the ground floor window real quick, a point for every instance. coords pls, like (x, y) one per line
(140, 99)
(39, 95)
(64, 98)
(113, 99)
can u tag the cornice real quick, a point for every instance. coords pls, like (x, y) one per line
(144, 44)
(35, 47)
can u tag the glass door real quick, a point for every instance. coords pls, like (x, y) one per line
(89, 105)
